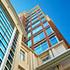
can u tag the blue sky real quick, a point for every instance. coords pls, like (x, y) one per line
(58, 10)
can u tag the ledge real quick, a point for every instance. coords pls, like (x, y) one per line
(55, 60)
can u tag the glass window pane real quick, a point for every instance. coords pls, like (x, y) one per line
(54, 40)
(28, 23)
(38, 50)
(5, 23)
(45, 24)
(43, 19)
(11, 53)
(4, 35)
(38, 22)
(8, 65)
(29, 43)
(3, 41)
(49, 31)
(1, 54)
(29, 28)
(39, 37)
(42, 16)
(2, 47)
(22, 55)
(29, 35)
(36, 39)
(46, 58)
(34, 20)
(5, 68)
(44, 46)
(4, 15)
(10, 58)
(41, 48)
(5, 31)
(5, 26)
(34, 16)
(37, 29)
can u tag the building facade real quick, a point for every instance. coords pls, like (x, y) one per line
(10, 33)
(44, 39)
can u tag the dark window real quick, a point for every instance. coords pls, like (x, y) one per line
(8, 65)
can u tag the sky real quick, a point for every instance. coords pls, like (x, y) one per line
(57, 10)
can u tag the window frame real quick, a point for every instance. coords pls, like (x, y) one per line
(56, 40)
(22, 55)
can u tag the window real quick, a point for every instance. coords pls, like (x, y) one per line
(40, 12)
(5, 20)
(4, 35)
(43, 19)
(36, 39)
(1, 54)
(28, 23)
(35, 24)
(0, 61)
(37, 29)
(42, 16)
(31, 16)
(46, 58)
(34, 20)
(13, 48)
(39, 37)
(44, 46)
(10, 58)
(8, 65)
(3, 41)
(49, 31)
(38, 50)
(53, 40)
(41, 48)
(29, 28)
(5, 68)
(6, 30)
(32, 13)
(12, 51)
(22, 55)
(45, 24)
(29, 43)
(29, 35)
(34, 17)
(2, 47)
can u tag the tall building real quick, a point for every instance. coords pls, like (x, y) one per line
(32, 44)
(43, 37)
(10, 34)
